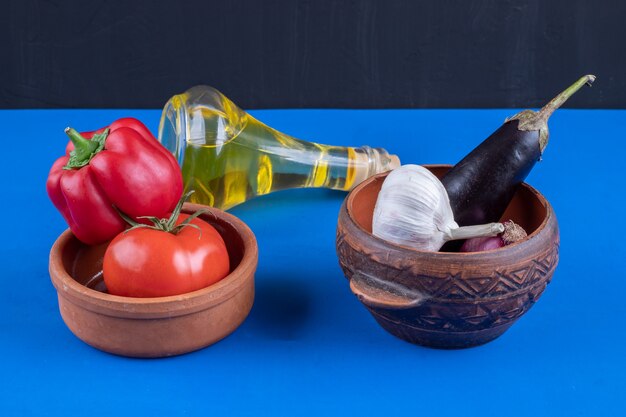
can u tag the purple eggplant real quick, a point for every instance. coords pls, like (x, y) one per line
(482, 184)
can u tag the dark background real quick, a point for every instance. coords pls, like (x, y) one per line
(306, 53)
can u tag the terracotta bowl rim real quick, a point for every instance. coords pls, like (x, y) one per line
(204, 298)
(350, 198)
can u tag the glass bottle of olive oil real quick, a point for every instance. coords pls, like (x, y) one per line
(228, 157)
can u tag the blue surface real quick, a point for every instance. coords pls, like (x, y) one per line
(308, 346)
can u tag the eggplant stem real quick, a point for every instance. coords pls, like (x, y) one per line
(481, 230)
(547, 110)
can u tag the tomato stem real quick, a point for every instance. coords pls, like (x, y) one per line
(165, 225)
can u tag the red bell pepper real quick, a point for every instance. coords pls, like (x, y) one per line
(118, 168)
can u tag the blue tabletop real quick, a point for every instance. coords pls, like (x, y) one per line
(308, 346)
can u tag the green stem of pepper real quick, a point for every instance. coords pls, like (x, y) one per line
(84, 149)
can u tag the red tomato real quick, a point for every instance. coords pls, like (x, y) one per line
(144, 262)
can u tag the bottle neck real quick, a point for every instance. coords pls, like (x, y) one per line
(371, 161)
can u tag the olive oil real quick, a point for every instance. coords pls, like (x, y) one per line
(228, 157)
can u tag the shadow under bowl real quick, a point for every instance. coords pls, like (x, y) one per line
(444, 299)
(159, 326)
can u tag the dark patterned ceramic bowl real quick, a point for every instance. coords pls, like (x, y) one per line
(447, 300)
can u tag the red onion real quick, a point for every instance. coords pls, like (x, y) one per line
(512, 233)
(479, 244)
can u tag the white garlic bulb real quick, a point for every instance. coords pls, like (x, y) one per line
(413, 209)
